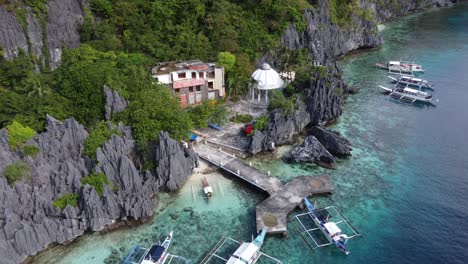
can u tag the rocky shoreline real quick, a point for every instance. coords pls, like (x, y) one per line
(29, 222)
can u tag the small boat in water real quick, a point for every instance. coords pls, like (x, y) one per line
(400, 67)
(248, 253)
(207, 188)
(411, 81)
(330, 229)
(156, 254)
(408, 94)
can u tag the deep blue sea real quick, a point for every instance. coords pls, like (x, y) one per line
(405, 188)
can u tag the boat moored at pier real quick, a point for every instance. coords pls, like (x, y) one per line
(408, 94)
(207, 188)
(156, 254)
(411, 81)
(248, 253)
(401, 67)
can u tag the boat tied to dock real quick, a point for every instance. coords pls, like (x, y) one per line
(207, 188)
(246, 253)
(401, 67)
(156, 254)
(330, 229)
(412, 81)
(408, 94)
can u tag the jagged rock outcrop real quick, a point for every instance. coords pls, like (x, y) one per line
(332, 141)
(326, 41)
(281, 129)
(114, 102)
(174, 162)
(28, 220)
(312, 151)
(62, 21)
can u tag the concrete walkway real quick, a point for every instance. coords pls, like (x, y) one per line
(272, 213)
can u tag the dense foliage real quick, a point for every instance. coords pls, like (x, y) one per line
(97, 181)
(30, 150)
(241, 118)
(16, 172)
(97, 137)
(67, 199)
(278, 100)
(19, 134)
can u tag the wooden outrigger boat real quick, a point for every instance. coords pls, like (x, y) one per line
(401, 67)
(207, 188)
(246, 253)
(156, 254)
(329, 229)
(408, 94)
(411, 81)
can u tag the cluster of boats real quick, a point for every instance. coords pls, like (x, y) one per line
(247, 252)
(407, 87)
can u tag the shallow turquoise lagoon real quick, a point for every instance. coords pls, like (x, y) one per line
(405, 187)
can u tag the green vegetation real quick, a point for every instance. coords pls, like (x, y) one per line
(119, 46)
(30, 150)
(16, 172)
(209, 111)
(67, 199)
(97, 181)
(241, 118)
(155, 109)
(261, 123)
(97, 137)
(279, 101)
(18, 134)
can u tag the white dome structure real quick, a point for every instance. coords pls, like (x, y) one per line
(267, 79)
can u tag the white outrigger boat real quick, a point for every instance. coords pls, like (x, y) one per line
(330, 229)
(246, 253)
(156, 254)
(400, 67)
(411, 81)
(408, 94)
(207, 188)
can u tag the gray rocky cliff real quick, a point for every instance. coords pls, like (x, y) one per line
(312, 151)
(174, 162)
(45, 40)
(114, 102)
(281, 129)
(28, 220)
(332, 141)
(325, 42)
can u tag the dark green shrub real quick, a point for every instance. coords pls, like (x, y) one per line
(67, 199)
(16, 172)
(97, 180)
(18, 134)
(30, 150)
(279, 101)
(241, 118)
(98, 136)
(261, 123)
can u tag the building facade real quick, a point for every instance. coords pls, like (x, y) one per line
(193, 81)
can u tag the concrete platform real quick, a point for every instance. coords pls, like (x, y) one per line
(272, 214)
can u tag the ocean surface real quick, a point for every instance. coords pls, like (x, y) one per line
(405, 188)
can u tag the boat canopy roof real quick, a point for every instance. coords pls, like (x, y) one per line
(394, 62)
(332, 228)
(414, 91)
(245, 252)
(412, 78)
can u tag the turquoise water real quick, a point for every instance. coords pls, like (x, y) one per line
(405, 187)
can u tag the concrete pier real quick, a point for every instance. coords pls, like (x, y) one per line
(271, 214)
